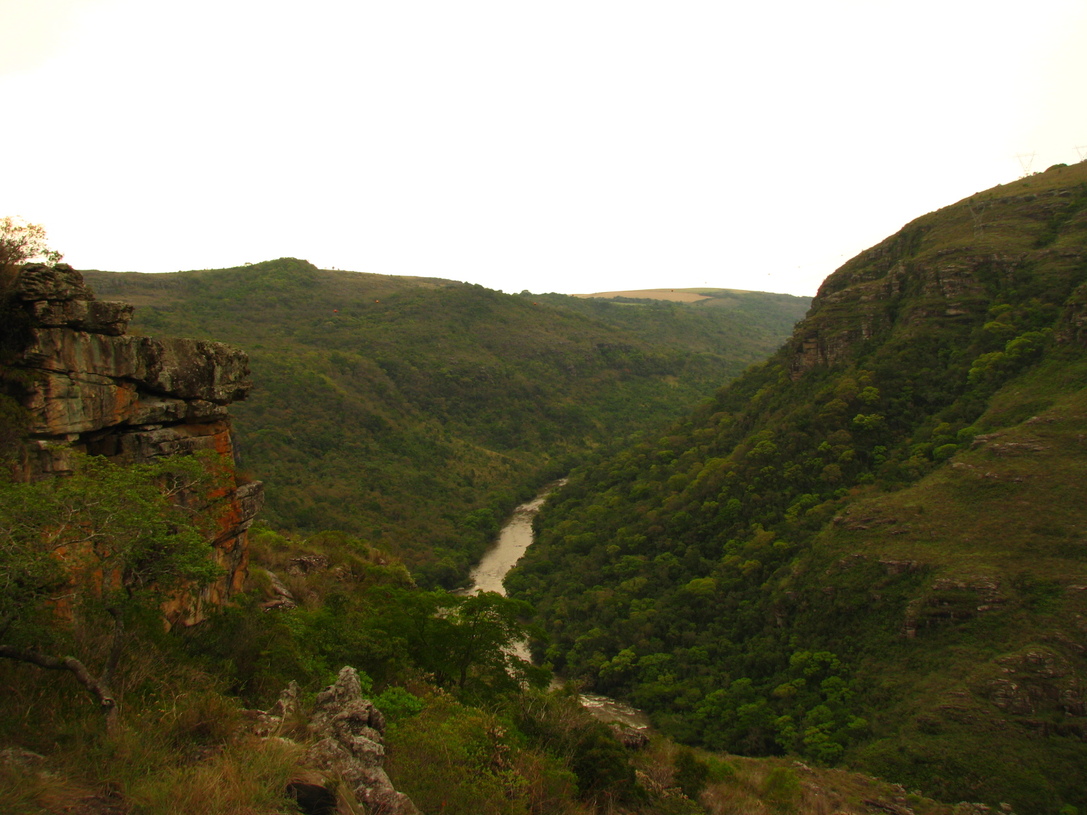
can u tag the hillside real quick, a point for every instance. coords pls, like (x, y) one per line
(869, 550)
(415, 412)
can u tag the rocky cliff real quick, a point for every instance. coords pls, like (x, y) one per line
(88, 386)
(946, 270)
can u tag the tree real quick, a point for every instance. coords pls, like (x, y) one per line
(465, 642)
(486, 630)
(82, 556)
(21, 242)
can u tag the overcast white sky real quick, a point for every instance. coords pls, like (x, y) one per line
(552, 145)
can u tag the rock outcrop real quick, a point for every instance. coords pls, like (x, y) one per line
(346, 740)
(88, 386)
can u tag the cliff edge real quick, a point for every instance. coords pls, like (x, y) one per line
(88, 386)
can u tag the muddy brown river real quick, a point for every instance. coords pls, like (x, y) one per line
(513, 540)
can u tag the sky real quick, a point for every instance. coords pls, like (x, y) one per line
(570, 145)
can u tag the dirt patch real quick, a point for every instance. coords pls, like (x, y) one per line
(675, 295)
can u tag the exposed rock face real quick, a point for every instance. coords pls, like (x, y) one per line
(863, 300)
(633, 738)
(92, 388)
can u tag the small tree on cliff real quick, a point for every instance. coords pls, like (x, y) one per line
(81, 556)
(21, 243)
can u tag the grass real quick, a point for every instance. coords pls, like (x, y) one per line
(976, 515)
(247, 777)
(784, 787)
(182, 746)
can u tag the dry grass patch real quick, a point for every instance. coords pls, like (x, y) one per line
(672, 295)
(763, 786)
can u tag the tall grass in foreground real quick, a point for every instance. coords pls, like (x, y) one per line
(181, 747)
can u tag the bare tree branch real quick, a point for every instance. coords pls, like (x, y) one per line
(97, 687)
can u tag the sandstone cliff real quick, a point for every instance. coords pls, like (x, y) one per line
(88, 386)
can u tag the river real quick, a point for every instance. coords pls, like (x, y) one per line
(513, 540)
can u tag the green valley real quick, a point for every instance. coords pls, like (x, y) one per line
(416, 412)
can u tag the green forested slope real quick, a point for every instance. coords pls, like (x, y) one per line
(870, 549)
(414, 411)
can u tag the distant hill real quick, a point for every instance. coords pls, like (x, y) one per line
(871, 549)
(415, 412)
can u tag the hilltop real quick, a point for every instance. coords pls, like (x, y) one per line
(869, 550)
(416, 412)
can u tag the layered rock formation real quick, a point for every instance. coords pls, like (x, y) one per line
(346, 745)
(90, 387)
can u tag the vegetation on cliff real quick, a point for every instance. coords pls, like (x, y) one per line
(20, 243)
(83, 558)
(868, 550)
(416, 412)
